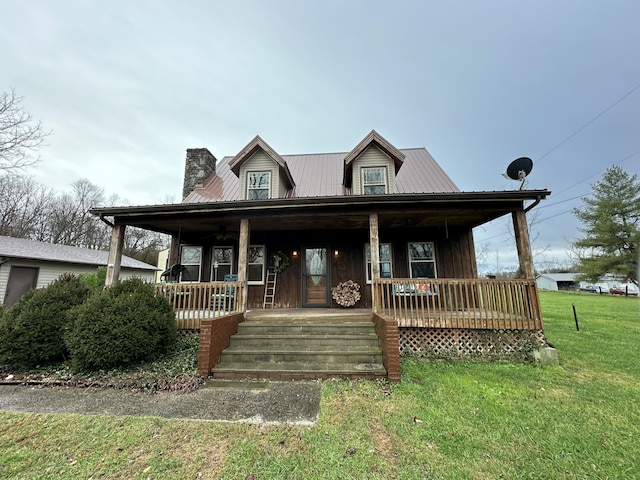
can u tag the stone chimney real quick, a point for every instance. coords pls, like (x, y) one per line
(200, 164)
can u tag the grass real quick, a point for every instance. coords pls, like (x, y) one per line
(444, 420)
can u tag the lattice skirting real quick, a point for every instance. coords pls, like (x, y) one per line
(455, 342)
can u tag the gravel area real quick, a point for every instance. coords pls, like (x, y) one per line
(229, 401)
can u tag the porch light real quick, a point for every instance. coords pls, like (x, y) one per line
(294, 253)
(335, 252)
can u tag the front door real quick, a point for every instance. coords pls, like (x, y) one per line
(315, 277)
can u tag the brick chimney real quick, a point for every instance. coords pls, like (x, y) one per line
(199, 165)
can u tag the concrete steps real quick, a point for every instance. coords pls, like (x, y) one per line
(303, 349)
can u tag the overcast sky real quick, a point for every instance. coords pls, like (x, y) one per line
(127, 86)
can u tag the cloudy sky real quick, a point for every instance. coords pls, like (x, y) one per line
(127, 86)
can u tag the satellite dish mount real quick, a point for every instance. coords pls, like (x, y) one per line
(519, 169)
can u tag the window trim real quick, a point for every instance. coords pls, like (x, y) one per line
(411, 262)
(213, 261)
(182, 247)
(384, 175)
(258, 172)
(264, 259)
(367, 261)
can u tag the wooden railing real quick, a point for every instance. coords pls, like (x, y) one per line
(193, 302)
(459, 303)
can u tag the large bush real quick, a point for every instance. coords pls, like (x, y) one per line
(95, 281)
(122, 325)
(31, 332)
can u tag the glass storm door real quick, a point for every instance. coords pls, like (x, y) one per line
(315, 280)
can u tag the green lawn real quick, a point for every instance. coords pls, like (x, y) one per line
(444, 420)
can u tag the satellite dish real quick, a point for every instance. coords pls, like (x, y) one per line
(519, 169)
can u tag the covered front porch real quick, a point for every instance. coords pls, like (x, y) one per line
(412, 256)
(428, 303)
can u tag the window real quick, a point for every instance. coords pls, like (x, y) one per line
(258, 185)
(422, 262)
(255, 267)
(222, 263)
(374, 180)
(191, 257)
(386, 270)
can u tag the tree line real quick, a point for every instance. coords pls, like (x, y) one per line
(34, 211)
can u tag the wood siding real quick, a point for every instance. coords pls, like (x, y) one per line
(260, 162)
(454, 255)
(373, 157)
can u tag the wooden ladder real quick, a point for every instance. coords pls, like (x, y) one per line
(270, 288)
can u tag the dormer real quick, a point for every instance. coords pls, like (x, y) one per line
(263, 174)
(371, 167)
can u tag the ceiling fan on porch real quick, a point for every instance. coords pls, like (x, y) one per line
(518, 170)
(223, 234)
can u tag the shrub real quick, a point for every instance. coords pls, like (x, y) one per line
(125, 324)
(31, 332)
(95, 281)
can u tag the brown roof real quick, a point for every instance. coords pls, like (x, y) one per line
(321, 175)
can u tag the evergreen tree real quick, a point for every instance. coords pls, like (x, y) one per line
(611, 219)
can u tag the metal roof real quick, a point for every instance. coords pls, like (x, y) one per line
(560, 277)
(321, 175)
(30, 249)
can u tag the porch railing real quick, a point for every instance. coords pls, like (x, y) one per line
(459, 303)
(194, 302)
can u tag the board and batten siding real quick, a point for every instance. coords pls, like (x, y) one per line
(50, 271)
(260, 162)
(373, 157)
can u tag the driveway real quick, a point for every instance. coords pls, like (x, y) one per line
(295, 403)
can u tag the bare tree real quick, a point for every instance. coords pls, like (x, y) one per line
(70, 220)
(25, 205)
(31, 210)
(20, 134)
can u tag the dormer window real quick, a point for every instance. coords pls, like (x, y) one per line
(374, 180)
(258, 185)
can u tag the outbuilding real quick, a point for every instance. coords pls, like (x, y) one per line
(27, 264)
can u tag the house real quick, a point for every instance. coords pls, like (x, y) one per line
(557, 281)
(389, 219)
(27, 264)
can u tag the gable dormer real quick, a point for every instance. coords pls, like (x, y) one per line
(371, 167)
(262, 172)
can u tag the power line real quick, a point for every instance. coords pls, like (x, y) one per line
(589, 123)
(601, 171)
(563, 201)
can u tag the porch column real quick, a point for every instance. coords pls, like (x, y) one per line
(115, 255)
(522, 243)
(374, 243)
(174, 248)
(243, 255)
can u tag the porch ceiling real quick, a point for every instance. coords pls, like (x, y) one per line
(468, 209)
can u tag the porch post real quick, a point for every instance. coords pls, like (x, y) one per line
(174, 247)
(115, 255)
(522, 243)
(243, 255)
(374, 243)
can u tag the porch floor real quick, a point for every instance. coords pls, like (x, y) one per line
(312, 315)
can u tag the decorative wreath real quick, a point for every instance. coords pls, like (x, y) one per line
(279, 261)
(346, 294)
